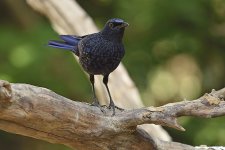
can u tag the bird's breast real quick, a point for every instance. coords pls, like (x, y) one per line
(99, 56)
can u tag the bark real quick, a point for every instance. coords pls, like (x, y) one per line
(40, 113)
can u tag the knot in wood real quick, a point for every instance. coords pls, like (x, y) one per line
(5, 91)
(210, 100)
(221, 97)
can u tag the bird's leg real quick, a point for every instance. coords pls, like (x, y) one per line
(96, 102)
(92, 80)
(111, 103)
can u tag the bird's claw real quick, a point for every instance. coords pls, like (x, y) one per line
(121, 109)
(96, 103)
(113, 106)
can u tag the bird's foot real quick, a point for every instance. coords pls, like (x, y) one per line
(96, 103)
(113, 106)
(121, 109)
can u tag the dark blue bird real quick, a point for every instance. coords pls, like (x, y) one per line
(99, 53)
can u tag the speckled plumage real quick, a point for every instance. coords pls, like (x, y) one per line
(99, 53)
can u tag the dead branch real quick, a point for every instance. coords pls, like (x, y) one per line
(40, 113)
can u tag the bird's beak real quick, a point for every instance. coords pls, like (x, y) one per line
(124, 24)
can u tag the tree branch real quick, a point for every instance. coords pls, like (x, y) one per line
(208, 106)
(40, 113)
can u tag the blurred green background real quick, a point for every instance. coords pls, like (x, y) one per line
(175, 50)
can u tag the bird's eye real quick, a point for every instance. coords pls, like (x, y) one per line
(111, 25)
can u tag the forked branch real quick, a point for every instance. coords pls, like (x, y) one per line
(40, 113)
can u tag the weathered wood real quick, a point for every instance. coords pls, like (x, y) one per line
(40, 113)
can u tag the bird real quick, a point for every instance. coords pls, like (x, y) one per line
(99, 53)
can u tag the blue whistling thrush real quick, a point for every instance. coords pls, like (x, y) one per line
(99, 53)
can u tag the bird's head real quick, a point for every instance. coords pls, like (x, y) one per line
(115, 28)
(116, 24)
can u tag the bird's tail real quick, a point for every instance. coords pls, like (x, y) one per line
(69, 43)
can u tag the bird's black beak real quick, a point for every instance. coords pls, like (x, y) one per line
(124, 24)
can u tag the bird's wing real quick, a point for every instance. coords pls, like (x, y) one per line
(71, 39)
